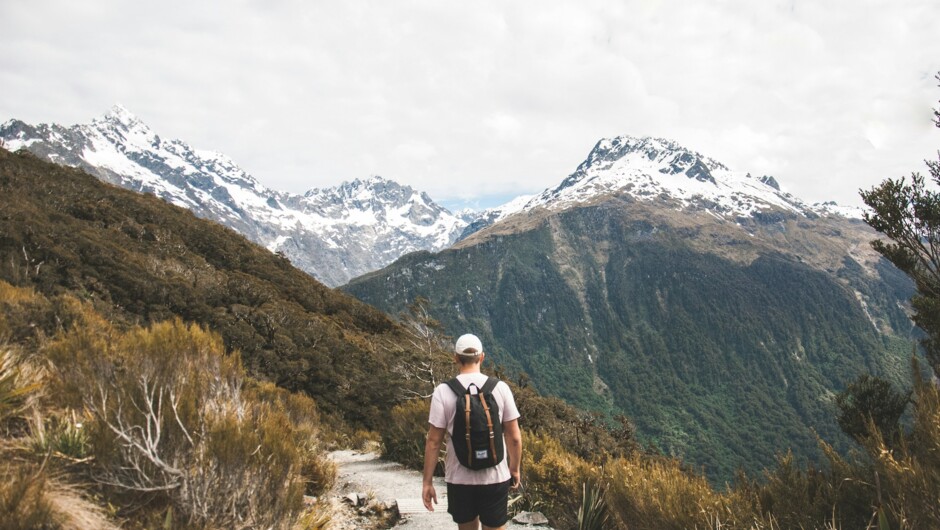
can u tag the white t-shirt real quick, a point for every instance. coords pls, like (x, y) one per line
(443, 406)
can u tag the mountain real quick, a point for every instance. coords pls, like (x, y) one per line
(334, 234)
(717, 311)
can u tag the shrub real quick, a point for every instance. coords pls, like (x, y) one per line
(870, 399)
(365, 440)
(317, 471)
(404, 434)
(593, 514)
(554, 479)
(172, 421)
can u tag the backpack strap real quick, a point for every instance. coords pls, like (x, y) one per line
(489, 417)
(459, 389)
(490, 384)
(455, 385)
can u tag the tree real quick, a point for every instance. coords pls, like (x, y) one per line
(909, 215)
(426, 338)
(871, 400)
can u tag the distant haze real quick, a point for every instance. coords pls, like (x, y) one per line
(478, 102)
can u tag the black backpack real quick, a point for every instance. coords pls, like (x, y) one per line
(478, 433)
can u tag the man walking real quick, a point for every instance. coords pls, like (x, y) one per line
(475, 496)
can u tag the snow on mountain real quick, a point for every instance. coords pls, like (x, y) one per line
(479, 221)
(334, 234)
(830, 208)
(655, 169)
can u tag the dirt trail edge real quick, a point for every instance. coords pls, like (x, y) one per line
(367, 474)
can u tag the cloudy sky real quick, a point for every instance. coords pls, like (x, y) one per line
(476, 102)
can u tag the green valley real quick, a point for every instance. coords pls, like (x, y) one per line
(724, 347)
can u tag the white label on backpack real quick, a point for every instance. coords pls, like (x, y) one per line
(482, 455)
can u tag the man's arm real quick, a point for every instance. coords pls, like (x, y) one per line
(514, 450)
(432, 449)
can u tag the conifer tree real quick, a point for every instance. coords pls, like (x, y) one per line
(908, 213)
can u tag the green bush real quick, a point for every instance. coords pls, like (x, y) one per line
(61, 436)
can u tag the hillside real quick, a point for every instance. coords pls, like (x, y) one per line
(724, 335)
(141, 260)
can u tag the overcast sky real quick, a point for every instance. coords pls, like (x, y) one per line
(476, 102)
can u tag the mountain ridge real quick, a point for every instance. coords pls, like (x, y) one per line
(338, 233)
(648, 169)
(310, 229)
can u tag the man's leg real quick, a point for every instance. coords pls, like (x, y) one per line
(472, 525)
(493, 506)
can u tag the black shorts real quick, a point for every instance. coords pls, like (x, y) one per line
(488, 502)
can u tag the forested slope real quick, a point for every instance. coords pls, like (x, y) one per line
(140, 260)
(721, 349)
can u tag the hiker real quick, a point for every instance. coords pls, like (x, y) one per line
(480, 478)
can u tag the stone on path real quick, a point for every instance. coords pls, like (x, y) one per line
(532, 518)
(355, 499)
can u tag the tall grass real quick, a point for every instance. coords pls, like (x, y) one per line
(19, 382)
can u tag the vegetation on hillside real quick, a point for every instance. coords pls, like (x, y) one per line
(891, 480)
(719, 362)
(139, 260)
(104, 425)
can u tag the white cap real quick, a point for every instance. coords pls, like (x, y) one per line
(468, 345)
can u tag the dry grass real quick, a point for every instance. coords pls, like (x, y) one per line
(74, 512)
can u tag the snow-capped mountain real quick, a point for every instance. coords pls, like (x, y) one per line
(655, 169)
(334, 234)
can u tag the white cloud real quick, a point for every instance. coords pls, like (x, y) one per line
(492, 98)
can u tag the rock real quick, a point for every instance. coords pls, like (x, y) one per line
(533, 518)
(390, 511)
(309, 501)
(354, 499)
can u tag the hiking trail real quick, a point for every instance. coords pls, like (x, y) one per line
(367, 474)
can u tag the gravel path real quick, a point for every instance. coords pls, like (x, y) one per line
(367, 474)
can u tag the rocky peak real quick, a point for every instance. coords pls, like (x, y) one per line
(119, 115)
(770, 181)
(672, 157)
